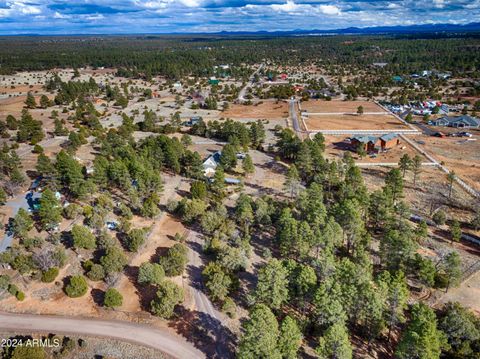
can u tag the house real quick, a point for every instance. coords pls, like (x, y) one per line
(464, 121)
(211, 163)
(283, 76)
(375, 143)
(397, 78)
(369, 143)
(213, 81)
(389, 140)
(193, 121)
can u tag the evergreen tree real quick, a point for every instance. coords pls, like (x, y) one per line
(335, 343)
(422, 338)
(50, 211)
(272, 285)
(260, 335)
(30, 101)
(247, 165)
(405, 164)
(290, 338)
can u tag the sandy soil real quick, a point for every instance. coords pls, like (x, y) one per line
(335, 147)
(267, 109)
(339, 106)
(354, 122)
(467, 294)
(459, 155)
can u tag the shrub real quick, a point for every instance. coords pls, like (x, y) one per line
(175, 260)
(20, 296)
(37, 149)
(77, 287)
(168, 296)
(439, 217)
(113, 298)
(4, 281)
(49, 275)
(96, 272)
(12, 289)
(229, 307)
(150, 273)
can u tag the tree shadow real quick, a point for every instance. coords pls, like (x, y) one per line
(98, 296)
(205, 332)
(146, 292)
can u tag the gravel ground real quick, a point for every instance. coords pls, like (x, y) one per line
(98, 348)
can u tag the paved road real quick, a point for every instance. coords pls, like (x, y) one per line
(293, 115)
(241, 94)
(130, 332)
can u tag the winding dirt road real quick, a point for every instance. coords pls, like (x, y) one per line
(167, 343)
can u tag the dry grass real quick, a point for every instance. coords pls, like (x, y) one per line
(268, 110)
(339, 106)
(354, 122)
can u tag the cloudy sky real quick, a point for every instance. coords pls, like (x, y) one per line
(166, 16)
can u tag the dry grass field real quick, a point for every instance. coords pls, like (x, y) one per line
(458, 154)
(338, 106)
(268, 110)
(354, 122)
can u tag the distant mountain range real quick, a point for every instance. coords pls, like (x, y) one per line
(427, 28)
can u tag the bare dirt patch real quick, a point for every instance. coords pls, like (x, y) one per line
(268, 110)
(338, 106)
(354, 122)
(459, 154)
(467, 294)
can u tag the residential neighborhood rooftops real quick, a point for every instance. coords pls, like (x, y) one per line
(456, 121)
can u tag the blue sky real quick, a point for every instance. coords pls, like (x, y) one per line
(166, 16)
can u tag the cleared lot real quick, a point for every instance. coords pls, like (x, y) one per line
(354, 122)
(458, 154)
(338, 106)
(267, 110)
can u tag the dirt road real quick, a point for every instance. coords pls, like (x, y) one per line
(214, 320)
(169, 344)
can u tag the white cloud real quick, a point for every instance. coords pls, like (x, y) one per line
(58, 15)
(329, 9)
(23, 7)
(94, 17)
(289, 6)
(439, 3)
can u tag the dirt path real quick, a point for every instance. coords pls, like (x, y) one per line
(130, 332)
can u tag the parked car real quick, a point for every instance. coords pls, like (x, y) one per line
(439, 134)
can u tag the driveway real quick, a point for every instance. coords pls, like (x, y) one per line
(15, 203)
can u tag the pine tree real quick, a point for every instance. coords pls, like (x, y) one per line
(260, 335)
(290, 338)
(416, 168)
(247, 165)
(272, 285)
(292, 181)
(422, 338)
(30, 101)
(50, 211)
(335, 343)
(405, 164)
